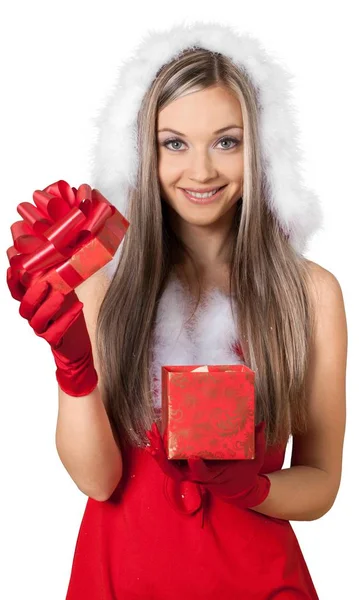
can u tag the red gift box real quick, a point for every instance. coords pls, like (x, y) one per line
(208, 414)
(66, 237)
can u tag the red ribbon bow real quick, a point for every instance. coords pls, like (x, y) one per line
(62, 220)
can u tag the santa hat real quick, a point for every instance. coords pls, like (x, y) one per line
(114, 155)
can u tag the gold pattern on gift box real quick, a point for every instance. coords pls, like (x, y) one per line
(175, 414)
(190, 400)
(216, 436)
(179, 379)
(226, 425)
(246, 444)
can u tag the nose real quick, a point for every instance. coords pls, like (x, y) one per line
(202, 167)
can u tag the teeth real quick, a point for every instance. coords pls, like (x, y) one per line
(206, 195)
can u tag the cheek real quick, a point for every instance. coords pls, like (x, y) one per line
(170, 167)
(160, 169)
(168, 172)
(165, 188)
(233, 168)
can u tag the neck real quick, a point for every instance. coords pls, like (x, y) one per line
(209, 246)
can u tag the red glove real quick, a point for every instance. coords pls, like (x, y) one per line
(177, 470)
(235, 481)
(66, 332)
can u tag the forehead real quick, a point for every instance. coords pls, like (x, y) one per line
(203, 110)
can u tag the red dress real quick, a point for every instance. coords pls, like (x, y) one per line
(154, 540)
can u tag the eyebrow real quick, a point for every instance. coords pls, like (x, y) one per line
(215, 132)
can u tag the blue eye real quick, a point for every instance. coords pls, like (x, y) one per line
(171, 141)
(231, 139)
(234, 141)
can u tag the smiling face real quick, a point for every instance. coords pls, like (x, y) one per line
(195, 155)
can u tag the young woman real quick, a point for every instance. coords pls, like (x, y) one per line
(197, 148)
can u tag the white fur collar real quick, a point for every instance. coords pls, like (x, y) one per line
(114, 155)
(210, 339)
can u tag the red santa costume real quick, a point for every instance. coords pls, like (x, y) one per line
(155, 539)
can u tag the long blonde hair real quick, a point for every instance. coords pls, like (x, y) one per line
(268, 278)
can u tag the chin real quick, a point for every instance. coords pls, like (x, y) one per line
(206, 218)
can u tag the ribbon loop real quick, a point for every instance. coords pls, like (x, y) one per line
(62, 220)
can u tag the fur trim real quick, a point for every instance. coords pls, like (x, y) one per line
(114, 156)
(210, 338)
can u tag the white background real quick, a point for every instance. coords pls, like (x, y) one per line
(58, 61)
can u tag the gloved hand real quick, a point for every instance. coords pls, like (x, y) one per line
(177, 470)
(59, 319)
(235, 481)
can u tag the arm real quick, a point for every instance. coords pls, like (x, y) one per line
(307, 490)
(84, 438)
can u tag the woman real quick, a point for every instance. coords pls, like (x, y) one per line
(199, 108)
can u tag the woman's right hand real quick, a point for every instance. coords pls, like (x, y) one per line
(59, 319)
(177, 470)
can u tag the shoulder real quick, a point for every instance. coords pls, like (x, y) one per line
(329, 309)
(319, 275)
(325, 288)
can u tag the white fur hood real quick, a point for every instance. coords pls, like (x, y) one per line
(114, 158)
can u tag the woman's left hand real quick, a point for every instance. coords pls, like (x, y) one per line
(235, 481)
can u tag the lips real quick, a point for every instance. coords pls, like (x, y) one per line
(203, 201)
(204, 191)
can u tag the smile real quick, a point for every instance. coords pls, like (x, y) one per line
(205, 198)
